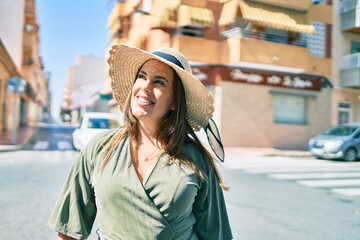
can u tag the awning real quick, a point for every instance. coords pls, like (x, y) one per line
(229, 12)
(267, 15)
(194, 16)
(185, 16)
(167, 19)
(114, 28)
(122, 10)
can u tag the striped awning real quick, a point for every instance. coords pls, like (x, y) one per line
(229, 12)
(118, 11)
(121, 9)
(194, 16)
(267, 15)
(167, 19)
(185, 15)
(114, 28)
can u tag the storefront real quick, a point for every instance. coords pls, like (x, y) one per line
(268, 109)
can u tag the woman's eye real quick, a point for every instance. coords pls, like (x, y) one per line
(141, 76)
(159, 82)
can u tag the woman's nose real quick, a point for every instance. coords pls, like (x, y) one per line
(146, 86)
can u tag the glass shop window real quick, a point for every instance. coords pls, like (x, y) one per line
(290, 109)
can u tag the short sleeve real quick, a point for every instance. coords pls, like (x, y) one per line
(75, 210)
(212, 222)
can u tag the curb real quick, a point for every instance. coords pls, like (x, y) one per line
(10, 148)
(17, 147)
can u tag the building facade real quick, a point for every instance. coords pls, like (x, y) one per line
(268, 63)
(19, 34)
(81, 94)
(346, 64)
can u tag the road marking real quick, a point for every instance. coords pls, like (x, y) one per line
(268, 165)
(347, 193)
(331, 183)
(302, 169)
(41, 145)
(62, 145)
(317, 175)
(334, 175)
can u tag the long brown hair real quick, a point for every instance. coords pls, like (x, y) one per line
(173, 133)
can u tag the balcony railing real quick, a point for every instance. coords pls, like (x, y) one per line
(350, 61)
(263, 36)
(347, 5)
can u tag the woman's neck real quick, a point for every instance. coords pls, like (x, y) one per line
(147, 135)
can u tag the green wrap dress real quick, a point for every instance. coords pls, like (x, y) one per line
(171, 203)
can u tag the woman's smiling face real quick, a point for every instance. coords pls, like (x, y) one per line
(152, 95)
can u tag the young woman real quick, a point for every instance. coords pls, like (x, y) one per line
(152, 178)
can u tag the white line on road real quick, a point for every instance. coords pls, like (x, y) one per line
(352, 194)
(41, 145)
(62, 145)
(317, 175)
(331, 183)
(301, 169)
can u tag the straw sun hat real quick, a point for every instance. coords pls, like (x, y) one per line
(125, 62)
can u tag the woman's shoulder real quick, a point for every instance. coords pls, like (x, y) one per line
(97, 142)
(196, 154)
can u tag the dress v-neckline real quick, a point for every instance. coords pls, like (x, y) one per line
(149, 171)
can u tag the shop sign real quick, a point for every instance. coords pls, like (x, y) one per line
(207, 76)
(272, 79)
(200, 74)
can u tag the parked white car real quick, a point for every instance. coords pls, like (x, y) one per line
(93, 123)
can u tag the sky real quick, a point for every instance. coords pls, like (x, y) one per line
(69, 28)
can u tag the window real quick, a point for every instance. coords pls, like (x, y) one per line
(290, 109)
(344, 112)
(355, 47)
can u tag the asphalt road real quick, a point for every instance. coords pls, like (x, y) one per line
(263, 208)
(260, 206)
(51, 137)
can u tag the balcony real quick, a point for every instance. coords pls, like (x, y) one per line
(295, 4)
(350, 70)
(270, 52)
(350, 16)
(197, 49)
(264, 36)
(252, 52)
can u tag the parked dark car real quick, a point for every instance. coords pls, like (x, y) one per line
(340, 142)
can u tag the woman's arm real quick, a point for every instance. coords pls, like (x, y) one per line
(63, 237)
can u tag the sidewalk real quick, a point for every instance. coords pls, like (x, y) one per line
(256, 152)
(23, 135)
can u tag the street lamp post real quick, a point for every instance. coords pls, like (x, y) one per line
(15, 85)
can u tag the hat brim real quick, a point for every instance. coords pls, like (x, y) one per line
(124, 64)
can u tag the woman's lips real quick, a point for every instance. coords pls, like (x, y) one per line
(144, 101)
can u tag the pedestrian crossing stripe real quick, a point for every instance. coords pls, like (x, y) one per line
(300, 169)
(316, 175)
(63, 145)
(41, 145)
(44, 145)
(331, 183)
(341, 178)
(347, 193)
